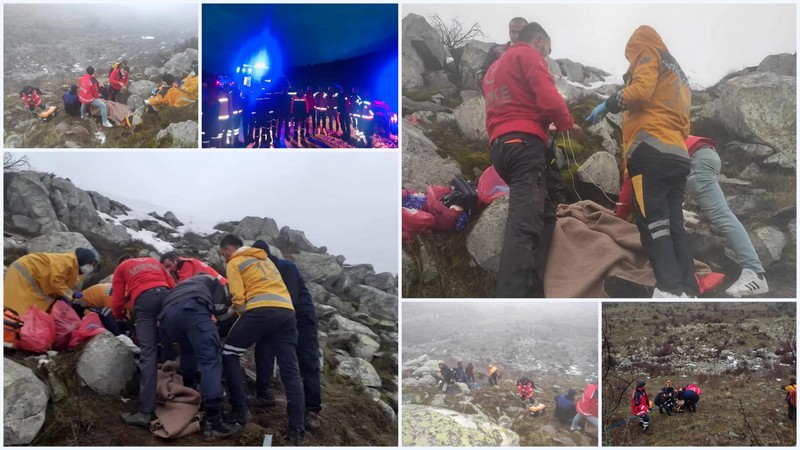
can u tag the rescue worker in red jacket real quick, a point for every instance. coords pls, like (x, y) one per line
(514, 28)
(183, 268)
(145, 282)
(690, 396)
(586, 409)
(89, 95)
(525, 389)
(640, 404)
(521, 103)
(32, 98)
(117, 80)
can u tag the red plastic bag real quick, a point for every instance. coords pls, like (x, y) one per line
(445, 219)
(38, 332)
(66, 320)
(491, 186)
(711, 281)
(415, 222)
(90, 326)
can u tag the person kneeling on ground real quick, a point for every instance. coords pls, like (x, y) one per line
(665, 400)
(89, 95)
(32, 98)
(72, 104)
(690, 396)
(587, 408)
(565, 406)
(525, 389)
(168, 95)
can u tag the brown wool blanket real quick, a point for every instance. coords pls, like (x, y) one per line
(178, 406)
(590, 244)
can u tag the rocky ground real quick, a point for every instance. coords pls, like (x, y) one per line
(444, 135)
(55, 57)
(556, 353)
(741, 352)
(356, 310)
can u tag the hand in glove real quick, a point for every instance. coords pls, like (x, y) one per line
(597, 113)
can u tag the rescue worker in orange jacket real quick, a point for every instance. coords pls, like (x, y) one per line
(640, 404)
(189, 84)
(42, 278)
(183, 268)
(98, 299)
(259, 294)
(656, 101)
(169, 95)
(791, 399)
(492, 375)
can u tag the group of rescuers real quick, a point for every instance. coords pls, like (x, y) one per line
(661, 161)
(262, 301)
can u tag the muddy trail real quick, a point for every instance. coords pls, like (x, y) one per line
(502, 405)
(80, 417)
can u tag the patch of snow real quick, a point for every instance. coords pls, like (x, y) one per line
(145, 236)
(100, 137)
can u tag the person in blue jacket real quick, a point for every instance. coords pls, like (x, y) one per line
(307, 343)
(71, 103)
(565, 406)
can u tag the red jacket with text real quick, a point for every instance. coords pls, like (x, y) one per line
(88, 89)
(189, 267)
(521, 95)
(640, 403)
(134, 276)
(588, 404)
(525, 390)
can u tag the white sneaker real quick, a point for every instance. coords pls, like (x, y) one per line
(658, 293)
(107, 124)
(749, 283)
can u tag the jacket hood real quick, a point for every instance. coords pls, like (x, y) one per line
(251, 252)
(695, 142)
(644, 37)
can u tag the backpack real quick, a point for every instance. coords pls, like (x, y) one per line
(12, 324)
(791, 397)
(114, 67)
(464, 194)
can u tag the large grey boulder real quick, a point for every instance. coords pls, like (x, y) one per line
(425, 41)
(359, 370)
(761, 108)
(106, 365)
(59, 242)
(422, 165)
(345, 326)
(316, 266)
(427, 426)
(140, 89)
(439, 82)
(73, 206)
(471, 119)
(413, 67)
(358, 272)
(474, 53)
(256, 228)
(780, 64)
(375, 302)
(601, 170)
(296, 241)
(183, 134)
(180, 64)
(769, 243)
(25, 399)
(101, 203)
(572, 70)
(27, 194)
(605, 130)
(364, 347)
(485, 240)
(384, 281)
(423, 106)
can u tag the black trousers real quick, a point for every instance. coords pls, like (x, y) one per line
(659, 185)
(520, 159)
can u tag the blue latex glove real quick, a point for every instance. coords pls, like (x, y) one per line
(598, 113)
(77, 295)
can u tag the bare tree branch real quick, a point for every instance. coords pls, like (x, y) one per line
(12, 164)
(455, 34)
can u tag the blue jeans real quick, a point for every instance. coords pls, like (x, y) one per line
(706, 193)
(98, 104)
(578, 420)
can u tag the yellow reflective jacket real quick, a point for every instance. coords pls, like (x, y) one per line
(170, 97)
(39, 279)
(254, 281)
(656, 97)
(97, 296)
(189, 88)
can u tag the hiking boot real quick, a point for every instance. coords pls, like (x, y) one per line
(658, 293)
(240, 416)
(219, 429)
(107, 124)
(138, 419)
(661, 410)
(262, 401)
(297, 436)
(749, 283)
(571, 428)
(645, 425)
(312, 421)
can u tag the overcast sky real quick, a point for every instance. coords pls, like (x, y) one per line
(708, 40)
(346, 201)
